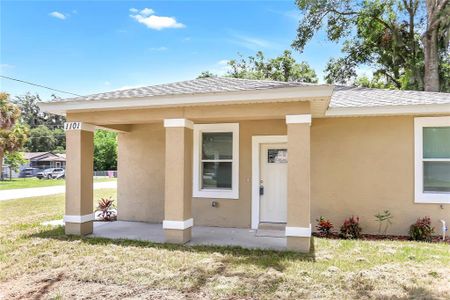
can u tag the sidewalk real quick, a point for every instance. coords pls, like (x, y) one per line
(49, 190)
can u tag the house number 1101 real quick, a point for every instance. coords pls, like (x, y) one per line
(72, 125)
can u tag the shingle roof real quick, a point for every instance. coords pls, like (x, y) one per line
(195, 86)
(345, 97)
(31, 155)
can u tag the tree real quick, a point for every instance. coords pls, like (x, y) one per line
(437, 32)
(14, 160)
(385, 34)
(206, 74)
(60, 140)
(281, 68)
(105, 150)
(375, 83)
(41, 139)
(31, 113)
(12, 134)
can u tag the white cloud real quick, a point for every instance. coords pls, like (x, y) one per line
(134, 10)
(162, 48)
(146, 12)
(146, 17)
(58, 15)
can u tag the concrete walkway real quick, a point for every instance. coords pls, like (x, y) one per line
(201, 235)
(48, 190)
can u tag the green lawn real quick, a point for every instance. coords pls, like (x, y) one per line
(22, 183)
(42, 262)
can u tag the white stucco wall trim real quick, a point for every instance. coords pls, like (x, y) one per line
(178, 123)
(297, 119)
(298, 231)
(79, 219)
(179, 225)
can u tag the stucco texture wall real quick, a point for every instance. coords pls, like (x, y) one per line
(140, 186)
(362, 166)
(359, 166)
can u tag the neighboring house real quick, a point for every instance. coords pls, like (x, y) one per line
(45, 160)
(37, 161)
(237, 153)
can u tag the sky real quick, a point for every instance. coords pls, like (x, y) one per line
(87, 47)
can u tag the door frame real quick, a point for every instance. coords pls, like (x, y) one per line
(257, 140)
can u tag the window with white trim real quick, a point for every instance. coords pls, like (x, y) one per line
(216, 161)
(432, 160)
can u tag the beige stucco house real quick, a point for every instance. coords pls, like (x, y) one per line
(238, 153)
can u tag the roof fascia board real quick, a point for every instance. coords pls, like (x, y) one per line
(388, 110)
(267, 95)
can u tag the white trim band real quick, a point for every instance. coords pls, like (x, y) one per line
(180, 225)
(298, 231)
(69, 126)
(298, 119)
(178, 123)
(79, 219)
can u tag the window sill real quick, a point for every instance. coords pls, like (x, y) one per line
(431, 198)
(216, 194)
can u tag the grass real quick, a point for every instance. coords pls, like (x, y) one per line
(22, 183)
(42, 262)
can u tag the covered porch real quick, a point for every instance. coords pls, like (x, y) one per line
(201, 235)
(169, 176)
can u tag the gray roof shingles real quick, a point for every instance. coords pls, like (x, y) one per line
(195, 86)
(343, 96)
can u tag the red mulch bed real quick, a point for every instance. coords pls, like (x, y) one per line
(378, 237)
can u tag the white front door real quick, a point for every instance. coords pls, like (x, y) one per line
(273, 183)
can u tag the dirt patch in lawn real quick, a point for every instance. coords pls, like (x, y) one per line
(57, 285)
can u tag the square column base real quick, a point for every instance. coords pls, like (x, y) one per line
(299, 244)
(178, 236)
(79, 228)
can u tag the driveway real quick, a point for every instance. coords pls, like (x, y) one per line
(49, 190)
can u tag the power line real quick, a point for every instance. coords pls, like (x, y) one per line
(39, 85)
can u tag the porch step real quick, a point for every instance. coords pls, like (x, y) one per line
(272, 226)
(271, 230)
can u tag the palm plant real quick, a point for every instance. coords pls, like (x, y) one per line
(13, 135)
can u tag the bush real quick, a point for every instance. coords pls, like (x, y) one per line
(421, 230)
(106, 209)
(324, 226)
(351, 229)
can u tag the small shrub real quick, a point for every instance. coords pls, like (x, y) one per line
(324, 226)
(351, 229)
(105, 207)
(384, 217)
(421, 230)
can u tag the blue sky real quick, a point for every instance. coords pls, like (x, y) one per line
(92, 46)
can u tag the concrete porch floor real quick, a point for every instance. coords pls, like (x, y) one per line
(217, 236)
